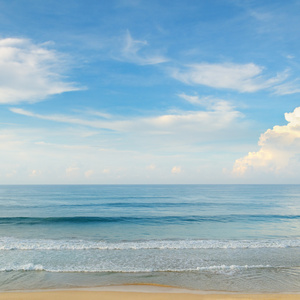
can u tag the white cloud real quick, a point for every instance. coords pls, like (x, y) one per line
(176, 170)
(290, 56)
(35, 173)
(100, 114)
(279, 149)
(62, 118)
(89, 173)
(193, 99)
(151, 167)
(72, 171)
(63, 156)
(209, 102)
(188, 120)
(134, 51)
(219, 116)
(288, 88)
(131, 143)
(239, 77)
(29, 72)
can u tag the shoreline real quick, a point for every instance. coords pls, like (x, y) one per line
(138, 291)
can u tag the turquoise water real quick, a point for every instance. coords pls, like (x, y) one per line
(208, 237)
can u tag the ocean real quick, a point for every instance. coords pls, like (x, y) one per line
(227, 238)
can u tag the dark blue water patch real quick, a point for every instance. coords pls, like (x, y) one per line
(147, 220)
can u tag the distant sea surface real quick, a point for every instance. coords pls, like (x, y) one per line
(243, 238)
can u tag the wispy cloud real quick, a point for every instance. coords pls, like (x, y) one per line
(209, 102)
(194, 99)
(141, 154)
(137, 52)
(279, 149)
(30, 72)
(288, 88)
(70, 119)
(245, 78)
(220, 116)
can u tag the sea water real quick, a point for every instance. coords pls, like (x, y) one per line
(243, 238)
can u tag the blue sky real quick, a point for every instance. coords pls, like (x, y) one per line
(133, 91)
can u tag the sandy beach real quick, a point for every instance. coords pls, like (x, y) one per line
(93, 295)
(144, 292)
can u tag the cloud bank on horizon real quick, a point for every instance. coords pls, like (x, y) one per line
(123, 93)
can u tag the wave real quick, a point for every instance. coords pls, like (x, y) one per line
(10, 243)
(79, 269)
(145, 220)
(130, 205)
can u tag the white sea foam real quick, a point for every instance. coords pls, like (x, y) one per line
(9, 243)
(25, 267)
(85, 269)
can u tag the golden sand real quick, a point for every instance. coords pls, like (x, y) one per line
(139, 293)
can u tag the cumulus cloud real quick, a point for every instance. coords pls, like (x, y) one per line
(176, 170)
(35, 173)
(134, 51)
(279, 149)
(239, 77)
(29, 72)
(89, 173)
